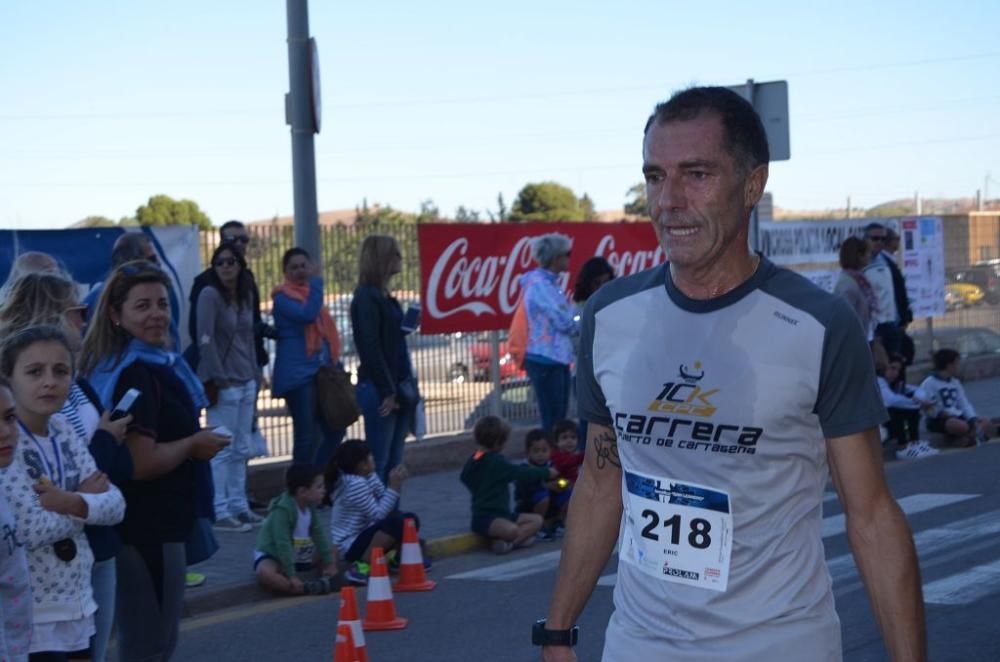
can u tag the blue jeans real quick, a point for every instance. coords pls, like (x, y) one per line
(551, 384)
(229, 468)
(102, 580)
(385, 435)
(313, 442)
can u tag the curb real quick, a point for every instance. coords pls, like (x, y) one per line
(207, 599)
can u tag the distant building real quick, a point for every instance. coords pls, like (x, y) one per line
(970, 238)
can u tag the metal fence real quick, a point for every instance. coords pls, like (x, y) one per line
(454, 370)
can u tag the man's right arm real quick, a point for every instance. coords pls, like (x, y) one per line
(592, 526)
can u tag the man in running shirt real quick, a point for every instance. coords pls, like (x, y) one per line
(717, 387)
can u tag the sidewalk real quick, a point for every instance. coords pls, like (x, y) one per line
(442, 503)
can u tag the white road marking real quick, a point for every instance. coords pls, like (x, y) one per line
(911, 505)
(930, 542)
(964, 587)
(841, 567)
(503, 572)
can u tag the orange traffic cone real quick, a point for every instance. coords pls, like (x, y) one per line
(349, 616)
(411, 564)
(381, 608)
(345, 651)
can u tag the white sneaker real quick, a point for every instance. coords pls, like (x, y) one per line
(501, 546)
(915, 451)
(928, 449)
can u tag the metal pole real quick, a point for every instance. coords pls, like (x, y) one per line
(496, 396)
(299, 114)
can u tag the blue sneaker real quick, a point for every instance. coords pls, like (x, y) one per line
(357, 574)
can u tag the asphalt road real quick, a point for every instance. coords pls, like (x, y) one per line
(483, 606)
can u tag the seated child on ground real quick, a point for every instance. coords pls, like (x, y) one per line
(950, 412)
(291, 539)
(904, 405)
(364, 514)
(566, 457)
(547, 498)
(488, 475)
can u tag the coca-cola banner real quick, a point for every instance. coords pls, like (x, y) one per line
(470, 272)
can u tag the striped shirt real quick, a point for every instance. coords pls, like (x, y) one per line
(358, 503)
(81, 413)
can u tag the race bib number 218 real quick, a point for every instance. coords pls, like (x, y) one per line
(677, 532)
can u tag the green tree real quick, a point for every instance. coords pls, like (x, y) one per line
(164, 210)
(502, 214)
(464, 215)
(96, 222)
(635, 201)
(365, 215)
(429, 212)
(546, 201)
(587, 207)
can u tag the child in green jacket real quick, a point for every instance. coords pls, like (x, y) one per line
(488, 475)
(291, 539)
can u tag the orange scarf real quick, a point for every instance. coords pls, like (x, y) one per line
(320, 329)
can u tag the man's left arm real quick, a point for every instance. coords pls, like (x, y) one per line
(880, 539)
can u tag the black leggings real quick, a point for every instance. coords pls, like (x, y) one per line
(901, 420)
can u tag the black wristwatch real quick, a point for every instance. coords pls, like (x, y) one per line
(542, 636)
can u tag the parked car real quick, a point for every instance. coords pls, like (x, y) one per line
(481, 357)
(958, 295)
(967, 341)
(985, 275)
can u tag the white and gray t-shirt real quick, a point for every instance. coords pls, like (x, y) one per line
(721, 410)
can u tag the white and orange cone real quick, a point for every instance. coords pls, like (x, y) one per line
(381, 613)
(411, 562)
(345, 651)
(349, 616)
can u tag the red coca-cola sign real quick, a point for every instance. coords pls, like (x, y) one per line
(470, 272)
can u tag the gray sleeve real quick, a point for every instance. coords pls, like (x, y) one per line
(591, 402)
(848, 400)
(210, 367)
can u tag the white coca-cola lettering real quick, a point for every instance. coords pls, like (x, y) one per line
(627, 262)
(473, 283)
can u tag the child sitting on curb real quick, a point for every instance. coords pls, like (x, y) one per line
(567, 458)
(545, 497)
(951, 413)
(291, 540)
(488, 475)
(365, 512)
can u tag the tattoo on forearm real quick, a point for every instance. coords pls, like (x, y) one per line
(606, 447)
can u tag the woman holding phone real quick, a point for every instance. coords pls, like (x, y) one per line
(228, 368)
(126, 348)
(387, 386)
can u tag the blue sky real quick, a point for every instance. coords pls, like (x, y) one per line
(106, 103)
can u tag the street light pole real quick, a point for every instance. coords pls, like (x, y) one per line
(302, 113)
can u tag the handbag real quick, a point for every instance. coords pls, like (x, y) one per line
(407, 395)
(335, 394)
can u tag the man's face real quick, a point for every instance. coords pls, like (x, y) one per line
(876, 240)
(238, 238)
(149, 253)
(699, 201)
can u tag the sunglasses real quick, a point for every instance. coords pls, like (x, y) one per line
(877, 237)
(237, 240)
(225, 262)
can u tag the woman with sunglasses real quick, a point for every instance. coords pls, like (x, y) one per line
(54, 487)
(126, 348)
(551, 327)
(228, 369)
(307, 339)
(51, 299)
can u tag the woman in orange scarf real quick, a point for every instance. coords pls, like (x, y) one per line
(307, 339)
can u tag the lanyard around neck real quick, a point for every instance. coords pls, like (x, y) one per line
(57, 478)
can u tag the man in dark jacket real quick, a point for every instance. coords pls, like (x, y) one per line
(234, 234)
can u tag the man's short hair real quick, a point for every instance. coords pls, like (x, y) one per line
(944, 357)
(743, 132)
(873, 226)
(230, 224)
(128, 248)
(491, 432)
